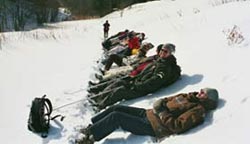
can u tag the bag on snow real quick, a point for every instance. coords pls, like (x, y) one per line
(39, 117)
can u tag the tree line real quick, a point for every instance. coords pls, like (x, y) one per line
(16, 14)
(97, 8)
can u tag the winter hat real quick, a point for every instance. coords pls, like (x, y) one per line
(170, 47)
(131, 34)
(213, 97)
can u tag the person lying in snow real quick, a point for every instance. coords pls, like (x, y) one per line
(130, 70)
(131, 47)
(121, 38)
(115, 39)
(161, 73)
(170, 115)
(126, 61)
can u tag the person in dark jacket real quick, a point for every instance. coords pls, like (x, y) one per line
(161, 73)
(106, 26)
(170, 115)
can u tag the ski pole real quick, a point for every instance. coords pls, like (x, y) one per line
(68, 104)
(103, 83)
(109, 81)
(85, 99)
(76, 91)
(104, 92)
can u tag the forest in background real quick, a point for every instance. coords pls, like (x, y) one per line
(18, 15)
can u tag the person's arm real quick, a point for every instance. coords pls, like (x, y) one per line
(152, 82)
(185, 121)
(160, 106)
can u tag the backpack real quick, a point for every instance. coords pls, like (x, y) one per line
(39, 117)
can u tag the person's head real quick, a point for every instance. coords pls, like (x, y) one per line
(209, 98)
(167, 50)
(145, 47)
(158, 49)
(142, 36)
(131, 35)
(107, 21)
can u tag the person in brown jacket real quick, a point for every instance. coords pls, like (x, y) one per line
(170, 115)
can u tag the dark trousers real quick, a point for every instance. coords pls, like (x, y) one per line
(107, 86)
(118, 94)
(129, 119)
(106, 34)
(114, 58)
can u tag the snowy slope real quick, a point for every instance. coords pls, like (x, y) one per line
(58, 59)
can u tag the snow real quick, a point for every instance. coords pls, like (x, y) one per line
(58, 59)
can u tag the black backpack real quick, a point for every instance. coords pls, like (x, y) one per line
(39, 117)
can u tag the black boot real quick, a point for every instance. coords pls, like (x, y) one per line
(93, 91)
(88, 138)
(102, 71)
(85, 140)
(92, 83)
(85, 131)
(99, 77)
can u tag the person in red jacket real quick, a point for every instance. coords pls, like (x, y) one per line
(133, 42)
(170, 115)
(106, 29)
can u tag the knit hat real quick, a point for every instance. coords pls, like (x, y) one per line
(213, 97)
(170, 47)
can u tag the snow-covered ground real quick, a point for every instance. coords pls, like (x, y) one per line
(58, 59)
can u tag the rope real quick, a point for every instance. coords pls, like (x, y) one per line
(68, 104)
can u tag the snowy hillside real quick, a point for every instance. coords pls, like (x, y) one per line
(58, 60)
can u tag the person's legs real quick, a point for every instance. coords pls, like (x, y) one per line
(113, 59)
(105, 35)
(98, 98)
(138, 112)
(116, 95)
(115, 120)
(105, 91)
(109, 63)
(99, 87)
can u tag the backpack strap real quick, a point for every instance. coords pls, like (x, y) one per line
(48, 105)
(54, 117)
(49, 108)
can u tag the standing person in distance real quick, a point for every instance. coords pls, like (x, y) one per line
(106, 26)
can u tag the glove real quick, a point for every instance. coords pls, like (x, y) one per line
(159, 106)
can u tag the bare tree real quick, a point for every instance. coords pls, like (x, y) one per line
(2, 39)
(4, 8)
(45, 10)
